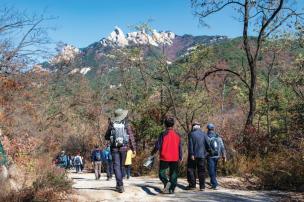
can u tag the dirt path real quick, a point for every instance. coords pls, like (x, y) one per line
(145, 189)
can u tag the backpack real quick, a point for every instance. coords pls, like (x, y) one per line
(97, 155)
(62, 159)
(119, 136)
(77, 160)
(215, 146)
(105, 155)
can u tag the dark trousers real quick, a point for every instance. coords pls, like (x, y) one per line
(108, 165)
(193, 167)
(127, 170)
(119, 158)
(78, 168)
(212, 167)
(173, 173)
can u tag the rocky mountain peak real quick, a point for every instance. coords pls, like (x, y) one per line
(118, 39)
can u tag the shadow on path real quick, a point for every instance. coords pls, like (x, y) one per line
(96, 188)
(147, 188)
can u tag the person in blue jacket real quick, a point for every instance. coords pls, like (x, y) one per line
(198, 147)
(217, 150)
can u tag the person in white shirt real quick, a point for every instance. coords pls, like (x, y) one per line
(78, 162)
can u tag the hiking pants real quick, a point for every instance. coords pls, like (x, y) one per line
(196, 166)
(173, 173)
(118, 157)
(128, 170)
(78, 168)
(109, 168)
(212, 167)
(97, 168)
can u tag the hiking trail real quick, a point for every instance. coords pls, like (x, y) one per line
(146, 189)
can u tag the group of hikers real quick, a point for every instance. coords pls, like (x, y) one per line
(68, 162)
(116, 156)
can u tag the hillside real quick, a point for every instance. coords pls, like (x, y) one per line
(99, 56)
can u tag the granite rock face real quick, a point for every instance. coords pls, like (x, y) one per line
(117, 38)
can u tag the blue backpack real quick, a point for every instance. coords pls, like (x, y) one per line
(98, 155)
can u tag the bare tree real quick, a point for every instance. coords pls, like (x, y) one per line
(22, 39)
(262, 19)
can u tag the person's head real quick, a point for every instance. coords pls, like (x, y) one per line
(62, 152)
(210, 126)
(96, 146)
(120, 115)
(196, 125)
(169, 122)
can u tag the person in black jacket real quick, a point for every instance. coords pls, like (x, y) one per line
(198, 147)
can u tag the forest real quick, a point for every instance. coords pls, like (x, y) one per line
(250, 87)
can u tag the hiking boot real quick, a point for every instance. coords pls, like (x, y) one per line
(190, 188)
(120, 189)
(108, 179)
(167, 187)
(202, 189)
(214, 188)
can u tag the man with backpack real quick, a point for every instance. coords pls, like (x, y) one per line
(63, 160)
(107, 161)
(217, 150)
(96, 158)
(198, 146)
(78, 162)
(169, 145)
(121, 138)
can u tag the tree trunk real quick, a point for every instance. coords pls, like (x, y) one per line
(252, 99)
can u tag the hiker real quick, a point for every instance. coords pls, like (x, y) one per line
(170, 153)
(121, 137)
(217, 150)
(107, 161)
(96, 158)
(78, 162)
(198, 146)
(63, 160)
(128, 163)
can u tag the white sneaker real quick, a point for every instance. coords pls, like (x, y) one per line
(167, 187)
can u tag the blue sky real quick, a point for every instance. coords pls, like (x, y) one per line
(82, 22)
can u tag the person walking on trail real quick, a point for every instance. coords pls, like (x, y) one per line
(169, 146)
(96, 158)
(121, 137)
(128, 163)
(217, 150)
(63, 160)
(198, 146)
(107, 161)
(78, 162)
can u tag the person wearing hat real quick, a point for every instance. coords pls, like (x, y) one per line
(217, 150)
(169, 145)
(198, 146)
(121, 138)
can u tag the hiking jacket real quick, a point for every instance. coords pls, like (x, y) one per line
(106, 155)
(93, 156)
(80, 161)
(169, 145)
(129, 158)
(131, 144)
(222, 150)
(198, 144)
